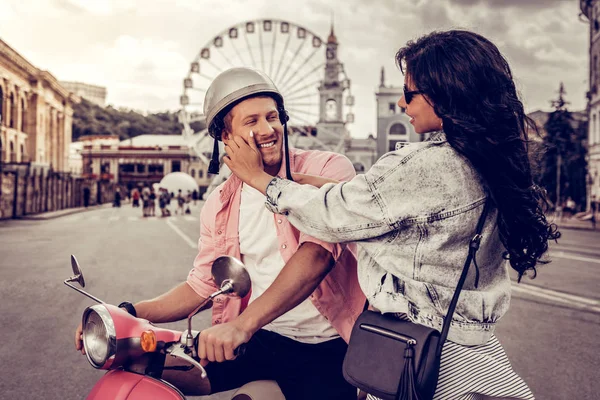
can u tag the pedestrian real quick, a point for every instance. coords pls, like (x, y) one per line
(136, 198)
(570, 207)
(146, 201)
(188, 200)
(152, 202)
(195, 196)
(163, 200)
(117, 200)
(86, 196)
(180, 202)
(415, 211)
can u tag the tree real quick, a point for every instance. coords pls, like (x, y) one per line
(91, 119)
(564, 165)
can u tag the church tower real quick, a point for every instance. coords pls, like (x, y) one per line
(393, 125)
(330, 128)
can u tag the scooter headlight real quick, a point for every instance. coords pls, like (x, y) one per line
(99, 337)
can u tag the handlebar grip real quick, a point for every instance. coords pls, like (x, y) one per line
(240, 350)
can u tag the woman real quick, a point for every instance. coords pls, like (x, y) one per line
(414, 212)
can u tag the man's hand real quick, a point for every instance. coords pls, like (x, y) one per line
(245, 161)
(218, 343)
(79, 339)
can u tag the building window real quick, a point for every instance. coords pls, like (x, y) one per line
(200, 173)
(593, 132)
(127, 168)
(105, 168)
(175, 166)
(597, 132)
(11, 111)
(398, 129)
(193, 173)
(13, 155)
(87, 167)
(140, 168)
(1, 105)
(156, 169)
(23, 115)
(392, 108)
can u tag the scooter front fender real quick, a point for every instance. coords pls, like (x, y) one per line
(123, 385)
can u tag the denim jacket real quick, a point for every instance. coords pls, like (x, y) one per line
(413, 215)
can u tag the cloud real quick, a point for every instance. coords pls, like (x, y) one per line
(500, 4)
(141, 50)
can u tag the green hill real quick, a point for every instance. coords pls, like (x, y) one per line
(91, 119)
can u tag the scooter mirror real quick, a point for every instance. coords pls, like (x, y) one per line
(77, 273)
(231, 269)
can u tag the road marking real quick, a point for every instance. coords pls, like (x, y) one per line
(183, 235)
(133, 218)
(114, 218)
(579, 302)
(562, 254)
(188, 218)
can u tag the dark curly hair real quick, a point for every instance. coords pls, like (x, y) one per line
(470, 87)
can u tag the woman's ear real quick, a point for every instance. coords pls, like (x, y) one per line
(224, 135)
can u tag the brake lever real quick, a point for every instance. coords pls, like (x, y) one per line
(240, 350)
(179, 351)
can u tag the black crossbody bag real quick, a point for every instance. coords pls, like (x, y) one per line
(400, 360)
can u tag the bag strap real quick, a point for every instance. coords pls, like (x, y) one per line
(473, 247)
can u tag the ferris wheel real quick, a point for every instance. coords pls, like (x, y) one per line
(291, 55)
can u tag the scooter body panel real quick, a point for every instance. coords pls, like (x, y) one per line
(123, 385)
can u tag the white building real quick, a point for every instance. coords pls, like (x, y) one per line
(93, 93)
(591, 10)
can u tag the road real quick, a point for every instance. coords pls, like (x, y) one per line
(549, 333)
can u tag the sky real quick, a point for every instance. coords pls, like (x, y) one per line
(141, 50)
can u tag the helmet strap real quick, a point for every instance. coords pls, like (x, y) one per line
(213, 166)
(288, 170)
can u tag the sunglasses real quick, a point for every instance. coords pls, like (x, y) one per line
(408, 95)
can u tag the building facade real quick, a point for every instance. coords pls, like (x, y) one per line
(93, 93)
(36, 114)
(591, 10)
(140, 161)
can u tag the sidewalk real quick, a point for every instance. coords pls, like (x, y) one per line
(62, 213)
(573, 223)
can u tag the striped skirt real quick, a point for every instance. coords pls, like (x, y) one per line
(477, 372)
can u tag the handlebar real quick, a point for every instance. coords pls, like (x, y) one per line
(180, 350)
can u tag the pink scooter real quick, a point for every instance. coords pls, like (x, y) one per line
(133, 350)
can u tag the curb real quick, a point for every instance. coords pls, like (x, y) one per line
(576, 228)
(62, 213)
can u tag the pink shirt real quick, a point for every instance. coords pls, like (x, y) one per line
(338, 297)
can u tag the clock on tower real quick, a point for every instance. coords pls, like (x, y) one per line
(330, 53)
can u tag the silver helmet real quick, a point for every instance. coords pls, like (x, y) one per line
(231, 86)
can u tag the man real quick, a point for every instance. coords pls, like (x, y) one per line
(305, 295)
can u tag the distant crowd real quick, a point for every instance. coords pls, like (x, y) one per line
(147, 197)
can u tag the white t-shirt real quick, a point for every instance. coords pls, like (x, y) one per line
(259, 249)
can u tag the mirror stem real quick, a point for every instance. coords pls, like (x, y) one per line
(226, 287)
(97, 300)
